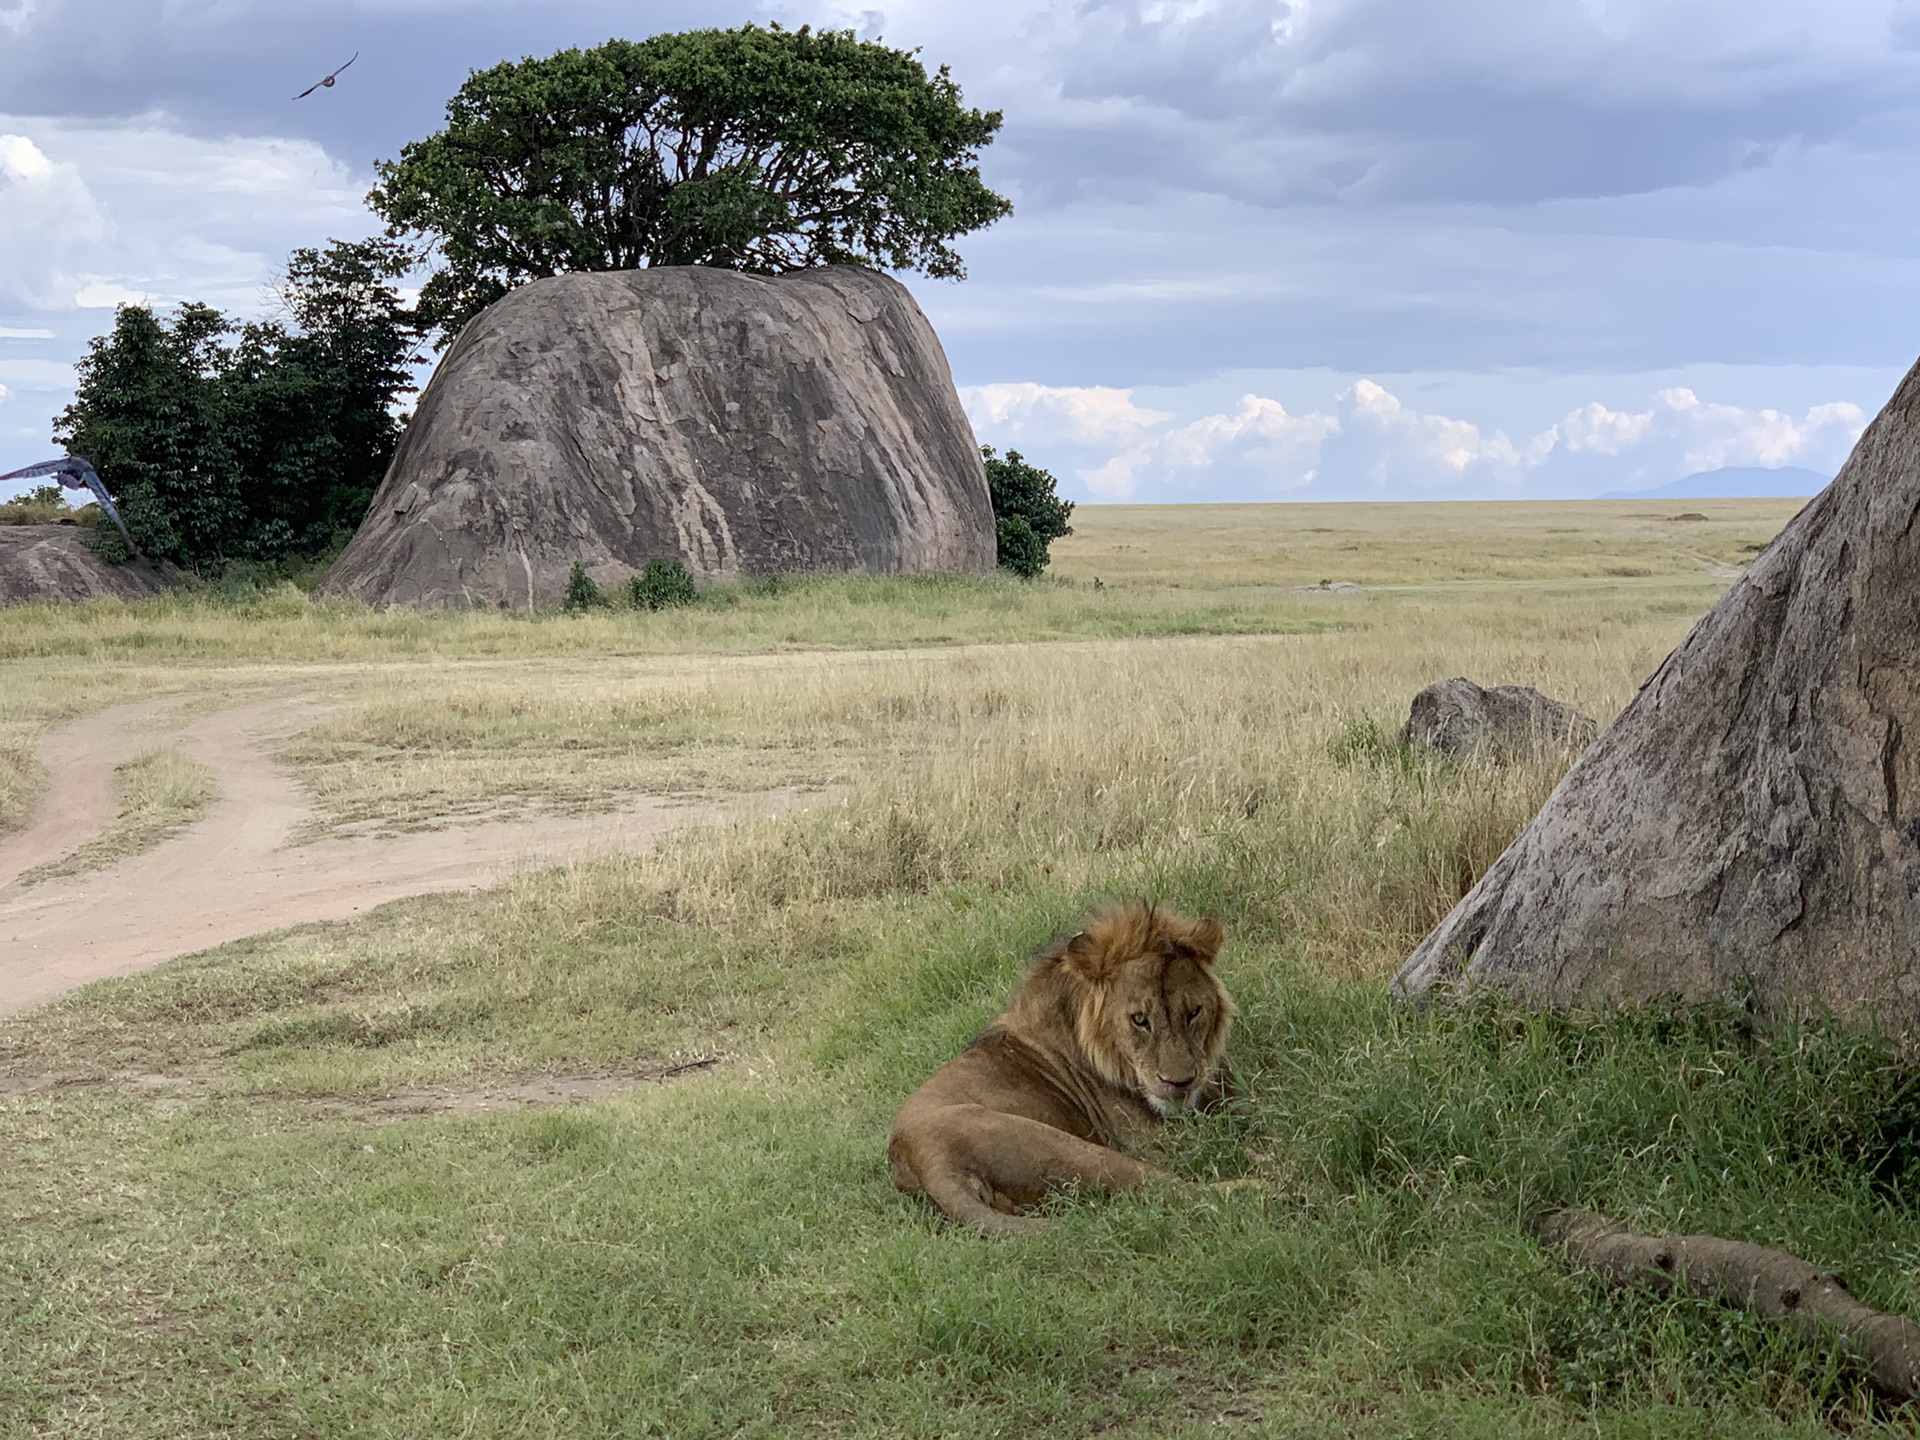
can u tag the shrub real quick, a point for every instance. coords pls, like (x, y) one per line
(662, 585)
(1027, 515)
(1017, 548)
(583, 592)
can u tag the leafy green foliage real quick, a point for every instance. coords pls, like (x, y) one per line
(662, 585)
(1027, 515)
(258, 442)
(752, 149)
(583, 591)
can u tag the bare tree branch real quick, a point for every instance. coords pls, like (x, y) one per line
(1773, 1284)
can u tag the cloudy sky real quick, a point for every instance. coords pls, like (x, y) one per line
(1262, 249)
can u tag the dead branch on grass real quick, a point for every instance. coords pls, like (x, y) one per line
(1774, 1284)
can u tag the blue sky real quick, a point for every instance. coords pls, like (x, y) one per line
(1328, 249)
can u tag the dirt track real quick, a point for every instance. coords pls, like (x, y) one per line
(233, 873)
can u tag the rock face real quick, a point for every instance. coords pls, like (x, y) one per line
(1751, 822)
(743, 424)
(51, 565)
(1458, 718)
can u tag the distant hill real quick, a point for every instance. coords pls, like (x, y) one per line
(1733, 480)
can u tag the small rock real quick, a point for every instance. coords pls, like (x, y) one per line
(1457, 718)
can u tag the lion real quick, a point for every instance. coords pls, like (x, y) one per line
(1112, 1030)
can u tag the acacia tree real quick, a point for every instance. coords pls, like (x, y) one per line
(752, 149)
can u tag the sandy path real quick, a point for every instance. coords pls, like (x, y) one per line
(79, 801)
(232, 873)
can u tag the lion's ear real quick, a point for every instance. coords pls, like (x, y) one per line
(1207, 937)
(1086, 957)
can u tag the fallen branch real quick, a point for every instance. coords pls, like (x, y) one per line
(1777, 1286)
(687, 1067)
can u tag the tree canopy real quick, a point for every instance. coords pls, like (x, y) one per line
(1027, 515)
(752, 149)
(262, 441)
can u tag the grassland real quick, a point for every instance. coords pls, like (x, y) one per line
(222, 1217)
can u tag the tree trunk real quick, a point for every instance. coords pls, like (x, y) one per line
(1774, 1284)
(1750, 821)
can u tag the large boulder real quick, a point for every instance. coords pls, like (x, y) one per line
(53, 565)
(1460, 719)
(743, 424)
(1750, 824)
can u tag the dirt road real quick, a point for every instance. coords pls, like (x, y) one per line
(233, 873)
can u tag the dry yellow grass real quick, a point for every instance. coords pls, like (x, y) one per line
(1446, 543)
(446, 715)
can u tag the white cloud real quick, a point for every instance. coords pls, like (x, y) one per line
(22, 161)
(13, 332)
(1426, 443)
(48, 219)
(106, 294)
(1079, 414)
(1370, 442)
(1130, 439)
(96, 215)
(1593, 427)
(1258, 435)
(1718, 435)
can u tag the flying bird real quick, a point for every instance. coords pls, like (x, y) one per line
(77, 474)
(326, 84)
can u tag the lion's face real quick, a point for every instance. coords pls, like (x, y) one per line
(1152, 1016)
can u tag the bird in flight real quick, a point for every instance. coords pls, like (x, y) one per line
(326, 83)
(76, 474)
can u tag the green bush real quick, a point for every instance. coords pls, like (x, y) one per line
(661, 586)
(1017, 547)
(1027, 515)
(583, 592)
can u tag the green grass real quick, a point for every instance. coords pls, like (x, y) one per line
(725, 1255)
(838, 611)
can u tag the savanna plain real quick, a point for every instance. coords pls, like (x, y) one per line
(600, 1150)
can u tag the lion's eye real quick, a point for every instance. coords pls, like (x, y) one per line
(1193, 1014)
(1141, 1021)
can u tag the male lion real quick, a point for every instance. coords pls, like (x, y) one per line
(1112, 1030)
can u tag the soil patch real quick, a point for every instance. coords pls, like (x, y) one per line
(237, 871)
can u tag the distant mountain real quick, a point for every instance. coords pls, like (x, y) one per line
(1733, 480)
